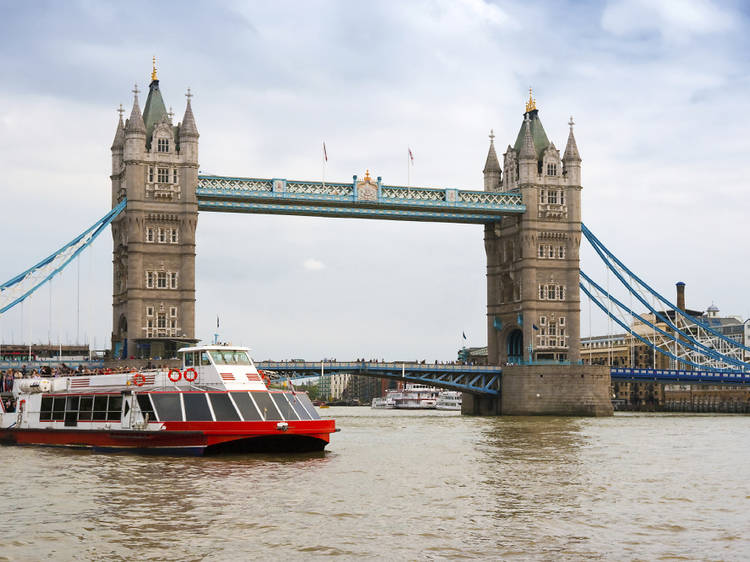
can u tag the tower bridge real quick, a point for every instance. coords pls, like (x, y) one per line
(529, 207)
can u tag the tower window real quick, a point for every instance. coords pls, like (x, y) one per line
(149, 234)
(174, 236)
(161, 280)
(151, 174)
(149, 280)
(551, 169)
(163, 175)
(561, 252)
(174, 175)
(162, 145)
(173, 311)
(552, 197)
(173, 280)
(162, 236)
(149, 311)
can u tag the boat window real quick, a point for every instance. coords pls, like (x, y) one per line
(305, 400)
(286, 408)
(45, 411)
(246, 406)
(114, 408)
(168, 406)
(188, 360)
(100, 408)
(196, 407)
(294, 400)
(71, 404)
(266, 406)
(205, 361)
(230, 357)
(145, 404)
(223, 407)
(58, 409)
(84, 409)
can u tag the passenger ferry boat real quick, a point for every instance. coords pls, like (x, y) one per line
(449, 400)
(412, 396)
(217, 402)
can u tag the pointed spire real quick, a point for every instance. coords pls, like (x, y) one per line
(492, 164)
(119, 140)
(135, 124)
(528, 151)
(188, 127)
(571, 149)
(531, 104)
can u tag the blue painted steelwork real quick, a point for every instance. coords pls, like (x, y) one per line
(480, 380)
(686, 340)
(49, 267)
(601, 249)
(336, 199)
(670, 375)
(627, 328)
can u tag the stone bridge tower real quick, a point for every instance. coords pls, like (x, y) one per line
(533, 303)
(154, 165)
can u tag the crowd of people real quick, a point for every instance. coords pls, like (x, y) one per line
(8, 376)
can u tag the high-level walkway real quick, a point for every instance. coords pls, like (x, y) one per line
(348, 200)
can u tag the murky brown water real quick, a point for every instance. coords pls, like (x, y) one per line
(401, 486)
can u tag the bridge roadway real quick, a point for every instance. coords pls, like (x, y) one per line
(479, 379)
(354, 200)
(473, 379)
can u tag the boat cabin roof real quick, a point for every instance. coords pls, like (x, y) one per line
(214, 348)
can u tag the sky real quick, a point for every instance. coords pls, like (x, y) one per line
(658, 92)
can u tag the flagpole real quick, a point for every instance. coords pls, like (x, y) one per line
(325, 162)
(408, 170)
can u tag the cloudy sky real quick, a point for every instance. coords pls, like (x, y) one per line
(658, 91)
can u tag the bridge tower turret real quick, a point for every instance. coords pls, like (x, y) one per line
(154, 165)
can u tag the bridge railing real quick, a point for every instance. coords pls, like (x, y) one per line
(718, 377)
(280, 189)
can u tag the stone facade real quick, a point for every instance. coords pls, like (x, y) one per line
(154, 165)
(533, 303)
(551, 390)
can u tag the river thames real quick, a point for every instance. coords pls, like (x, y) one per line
(397, 485)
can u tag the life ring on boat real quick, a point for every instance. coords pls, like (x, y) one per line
(176, 378)
(192, 377)
(139, 379)
(264, 377)
(21, 405)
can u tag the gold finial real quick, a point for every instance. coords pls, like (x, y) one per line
(531, 104)
(153, 71)
(367, 175)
